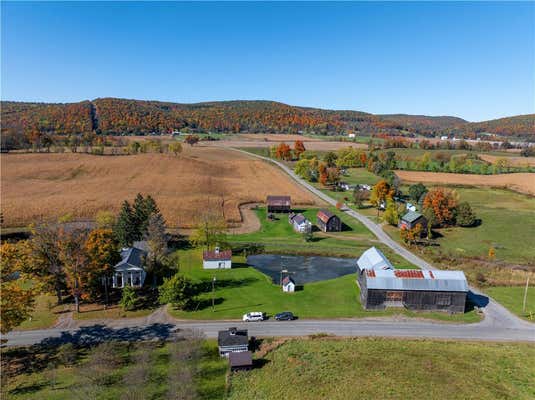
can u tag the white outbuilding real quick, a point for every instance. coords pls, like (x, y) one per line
(373, 259)
(217, 259)
(288, 285)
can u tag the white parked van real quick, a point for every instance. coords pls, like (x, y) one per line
(253, 316)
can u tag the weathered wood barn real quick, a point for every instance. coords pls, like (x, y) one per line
(411, 219)
(381, 286)
(279, 204)
(328, 222)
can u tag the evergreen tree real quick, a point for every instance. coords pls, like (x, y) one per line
(139, 216)
(125, 229)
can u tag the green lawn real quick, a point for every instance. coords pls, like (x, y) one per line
(390, 369)
(209, 379)
(44, 315)
(243, 289)
(513, 299)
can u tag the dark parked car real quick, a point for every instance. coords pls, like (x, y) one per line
(284, 316)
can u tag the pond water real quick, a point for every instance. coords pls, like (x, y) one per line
(304, 269)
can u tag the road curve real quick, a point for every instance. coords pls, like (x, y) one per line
(495, 313)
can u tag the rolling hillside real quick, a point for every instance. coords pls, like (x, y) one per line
(36, 121)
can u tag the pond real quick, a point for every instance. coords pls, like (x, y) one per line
(304, 269)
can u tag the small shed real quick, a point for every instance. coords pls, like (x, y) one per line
(233, 340)
(279, 204)
(130, 271)
(288, 285)
(411, 219)
(240, 361)
(300, 223)
(217, 259)
(328, 222)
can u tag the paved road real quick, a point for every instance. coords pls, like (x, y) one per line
(495, 313)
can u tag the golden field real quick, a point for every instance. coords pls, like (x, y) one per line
(520, 182)
(201, 179)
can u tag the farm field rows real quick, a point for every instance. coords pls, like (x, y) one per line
(390, 369)
(47, 186)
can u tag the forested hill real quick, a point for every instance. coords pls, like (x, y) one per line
(121, 116)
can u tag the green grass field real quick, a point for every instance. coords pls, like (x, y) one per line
(513, 299)
(209, 379)
(243, 289)
(390, 369)
(44, 315)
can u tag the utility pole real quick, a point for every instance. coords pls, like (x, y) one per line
(525, 296)
(213, 290)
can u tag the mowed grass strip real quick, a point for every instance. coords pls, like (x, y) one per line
(243, 289)
(390, 369)
(513, 299)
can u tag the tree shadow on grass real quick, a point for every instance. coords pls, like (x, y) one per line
(206, 285)
(28, 389)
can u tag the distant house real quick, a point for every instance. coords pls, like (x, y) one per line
(328, 222)
(130, 270)
(300, 223)
(351, 135)
(217, 259)
(410, 207)
(240, 361)
(411, 219)
(373, 259)
(279, 204)
(288, 285)
(232, 341)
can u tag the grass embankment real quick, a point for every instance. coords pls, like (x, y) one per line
(390, 369)
(513, 299)
(45, 313)
(243, 289)
(59, 382)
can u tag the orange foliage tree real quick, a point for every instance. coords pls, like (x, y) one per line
(299, 148)
(381, 192)
(443, 203)
(283, 152)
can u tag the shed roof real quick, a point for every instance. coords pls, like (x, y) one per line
(214, 255)
(240, 359)
(411, 216)
(373, 259)
(299, 219)
(278, 200)
(287, 280)
(443, 281)
(232, 337)
(325, 215)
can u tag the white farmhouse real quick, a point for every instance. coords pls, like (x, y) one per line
(288, 285)
(130, 271)
(217, 259)
(300, 223)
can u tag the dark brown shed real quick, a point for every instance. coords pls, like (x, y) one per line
(242, 360)
(277, 204)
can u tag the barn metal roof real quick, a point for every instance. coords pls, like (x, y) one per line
(325, 215)
(444, 281)
(373, 259)
(411, 216)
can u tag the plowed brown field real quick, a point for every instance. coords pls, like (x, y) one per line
(47, 186)
(520, 182)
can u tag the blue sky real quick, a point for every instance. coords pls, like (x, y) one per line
(473, 60)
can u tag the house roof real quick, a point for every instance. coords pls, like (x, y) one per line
(411, 216)
(287, 280)
(131, 257)
(240, 359)
(373, 259)
(325, 215)
(299, 219)
(232, 337)
(216, 256)
(444, 281)
(278, 200)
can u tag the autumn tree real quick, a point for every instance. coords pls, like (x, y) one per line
(17, 298)
(102, 251)
(210, 232)
(464, 215)
(299, 148)
(191, 139)
(443, 203)
(416, 192)
(391, 215)
(175, 148)
(381, 192)
(359, 196)
(410, 236)
(322, 170)
(283, 152)
(75, 262)
(177, 290)
(45, 262)
(105, 219)
(330, 159)
(157, 245)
